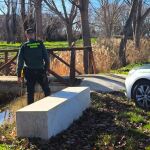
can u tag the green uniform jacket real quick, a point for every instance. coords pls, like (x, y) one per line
(33, 55)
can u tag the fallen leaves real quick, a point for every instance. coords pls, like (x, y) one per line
(105, 125)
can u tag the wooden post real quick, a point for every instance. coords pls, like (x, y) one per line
(92, 65)
(6, 60)
(6, 57)
(72, 65)
(86, 60)
(93, 62)
(89, 66)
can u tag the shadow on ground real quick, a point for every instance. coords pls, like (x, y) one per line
(100, 127)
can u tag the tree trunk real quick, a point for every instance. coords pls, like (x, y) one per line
(122, 51)
(31, 18)
(38, 19)
(14, 21)
(85, 33)
(126, 32)
(23, 23)
(13, 26)
(138, 26)
(7, 21)
(69, 34)
(137, 35)
(8, 37)
(23, 16)
(22, 11)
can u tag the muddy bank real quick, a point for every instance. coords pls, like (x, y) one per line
(9, 89)
(6, 97)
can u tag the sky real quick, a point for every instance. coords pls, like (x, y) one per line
(58, 3)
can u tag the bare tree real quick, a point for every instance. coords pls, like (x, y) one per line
(23, 18)
(31, 20)
(83, 6)
(31, 14)
(126, 33)
(67, 18)
(27, 15)
(108, 17)
(14, 19)
(53, 28)
(38, 19)
(138, 19)
(7, 8)
(146, 27)
(139, 22)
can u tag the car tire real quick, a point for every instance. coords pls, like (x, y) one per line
(141, 94)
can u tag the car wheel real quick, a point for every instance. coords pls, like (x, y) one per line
(141, 94)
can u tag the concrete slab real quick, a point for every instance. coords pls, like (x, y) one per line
(8, 78)
(53, 114)
(8, 84)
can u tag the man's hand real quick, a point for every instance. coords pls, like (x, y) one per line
(20, 79)
(47, 73)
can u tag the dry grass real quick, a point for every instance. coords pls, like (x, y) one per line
(106, 56)
(136, 55)
(106, 53)
(61, 68)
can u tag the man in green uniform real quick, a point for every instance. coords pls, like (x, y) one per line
(34, 61)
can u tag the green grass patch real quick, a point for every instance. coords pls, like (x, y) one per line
(4, 147)
(146, 127)
(130, 144)
(52, 44)
(147, 148)
(125, 70)
(106, 139)
(79, 42)
(135, 118)
(58, 44)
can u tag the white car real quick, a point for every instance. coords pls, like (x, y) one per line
(138, 86)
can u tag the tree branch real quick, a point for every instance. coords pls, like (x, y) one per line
(73, 13)
(54, 9)
(145, 14)
(64, 9)
(2, 11)
(74, 3)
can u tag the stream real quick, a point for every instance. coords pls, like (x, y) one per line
(8, 111)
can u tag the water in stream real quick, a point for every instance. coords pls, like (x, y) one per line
(8, 111)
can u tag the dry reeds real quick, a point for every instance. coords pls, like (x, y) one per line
(105, 53)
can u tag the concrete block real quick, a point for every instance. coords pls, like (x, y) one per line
(53, 114)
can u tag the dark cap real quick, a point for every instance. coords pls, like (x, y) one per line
(30, 31)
